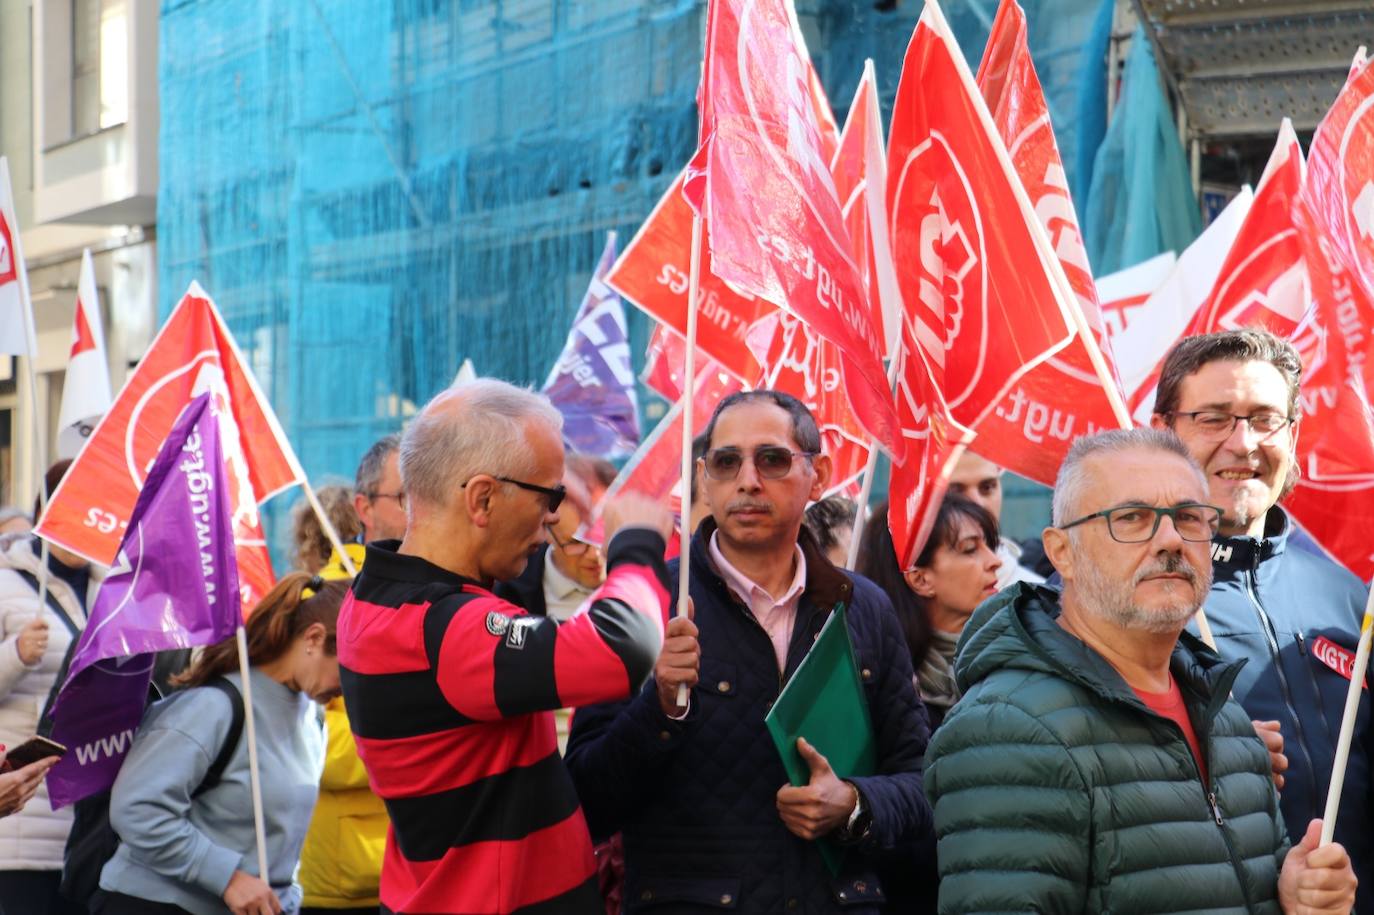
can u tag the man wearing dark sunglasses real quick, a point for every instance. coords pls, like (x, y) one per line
(700, 793)
(1233, 399)
(450, 689)
(1096, 762)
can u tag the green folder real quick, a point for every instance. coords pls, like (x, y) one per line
(824, 702)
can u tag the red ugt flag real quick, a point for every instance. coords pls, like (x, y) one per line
(769, 200)
(1062, 398)
(977, 284)
(192, 354)
(1335, 219)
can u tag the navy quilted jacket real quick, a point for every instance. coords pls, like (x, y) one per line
(696, 799)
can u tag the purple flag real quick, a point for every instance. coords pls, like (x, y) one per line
(174, 584)
(592, 384)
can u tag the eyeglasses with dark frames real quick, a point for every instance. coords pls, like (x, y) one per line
(1194, 521)
(554, 494)
(772, 462)
(1217, 425)
(399, 495)
(571, 547)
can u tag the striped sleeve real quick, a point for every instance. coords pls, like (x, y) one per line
(496, 661)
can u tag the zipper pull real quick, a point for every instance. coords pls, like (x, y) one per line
(1302, 643)
(1216, 811)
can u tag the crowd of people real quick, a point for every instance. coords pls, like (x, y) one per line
(1136, 712)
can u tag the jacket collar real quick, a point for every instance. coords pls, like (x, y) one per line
(1020, 629)
(826, 585)
(1237, 555)
(383, 561)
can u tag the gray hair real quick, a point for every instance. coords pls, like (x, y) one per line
(370, 467)
(467, 429)
(1073, 477)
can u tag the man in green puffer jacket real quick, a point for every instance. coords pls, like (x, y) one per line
(1096, 762)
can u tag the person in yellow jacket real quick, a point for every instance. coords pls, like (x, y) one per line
(341, 863)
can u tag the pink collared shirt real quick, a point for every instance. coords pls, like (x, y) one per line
(775, 615)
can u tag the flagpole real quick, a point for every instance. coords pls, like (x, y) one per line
(1352, 708)
(866, 491)
(39, 444)
(328, 528)
(688, 396)
(254, 777)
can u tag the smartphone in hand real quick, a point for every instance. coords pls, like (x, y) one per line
(32, 750)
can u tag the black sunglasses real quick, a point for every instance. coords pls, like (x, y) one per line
(772, 462)
(554, 494)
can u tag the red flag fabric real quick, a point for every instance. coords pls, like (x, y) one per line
(1062, 398)
(664, 360)
(859, 168)
(800, 362)
(1335, 218)
(776, 229)
(652, 273)
(1263, 280)
(934, 442)
(977, 282)
(193, 353)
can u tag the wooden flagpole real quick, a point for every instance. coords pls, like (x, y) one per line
(688, 396)
(254, 776)
(1352, 708)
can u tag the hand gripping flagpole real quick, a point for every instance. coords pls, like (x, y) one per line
(1352, 707)
(254, 776)
(688, 396)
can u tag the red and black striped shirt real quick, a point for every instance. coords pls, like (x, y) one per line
(450, 692)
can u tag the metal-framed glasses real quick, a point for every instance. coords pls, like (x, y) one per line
(771, 462)
(571, 547)
(1194, 521)
(1217, 425)
(399, 495)
(554, 494)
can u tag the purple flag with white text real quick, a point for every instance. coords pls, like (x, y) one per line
(174, 584)
(592, 384)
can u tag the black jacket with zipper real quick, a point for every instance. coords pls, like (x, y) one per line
(696, 799)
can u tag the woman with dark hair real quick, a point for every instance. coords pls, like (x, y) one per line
(954, 573)
(183, 849)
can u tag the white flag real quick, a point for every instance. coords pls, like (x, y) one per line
(86, 391)
(16, 317)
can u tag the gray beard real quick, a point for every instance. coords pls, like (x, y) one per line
(1110, 599)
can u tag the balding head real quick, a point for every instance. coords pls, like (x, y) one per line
(467, 429)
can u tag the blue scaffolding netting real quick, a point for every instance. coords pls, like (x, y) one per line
(373, 190)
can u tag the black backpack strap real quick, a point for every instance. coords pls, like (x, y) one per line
(231, 743)
(53, 603)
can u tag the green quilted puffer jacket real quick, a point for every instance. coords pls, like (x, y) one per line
(1057, 790)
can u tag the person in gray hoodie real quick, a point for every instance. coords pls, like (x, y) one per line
(181, 851)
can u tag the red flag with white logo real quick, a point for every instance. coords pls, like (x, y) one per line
(1062, 398)
(1263, 280)
(774, 216)
(86, 389)
(1334, 499)
(652, 273)
(976, 281)
(935, 439)
(193, 353)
